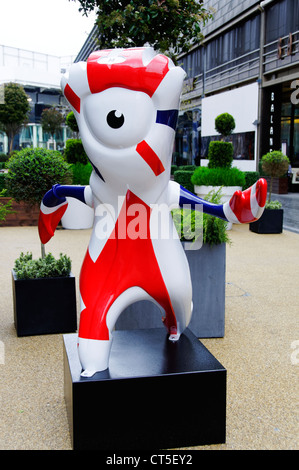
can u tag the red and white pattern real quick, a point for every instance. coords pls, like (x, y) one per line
(247, 206)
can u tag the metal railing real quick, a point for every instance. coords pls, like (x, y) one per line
(237, 70)
(281, 53)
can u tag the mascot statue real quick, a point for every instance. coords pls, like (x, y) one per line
(126, 104)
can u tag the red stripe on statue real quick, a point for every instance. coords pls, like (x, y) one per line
(150, 157)
(72, 98)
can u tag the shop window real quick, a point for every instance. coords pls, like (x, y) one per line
(243, 143)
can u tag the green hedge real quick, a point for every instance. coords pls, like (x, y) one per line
(218, 177)
(173, 169)
(81, 173)
(183, 177)
(187, 167)
(251, 177)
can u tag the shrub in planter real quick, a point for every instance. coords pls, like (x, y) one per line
(274, 164)
(44, 295)
(221, 153)
(27, 268)
(214, 229)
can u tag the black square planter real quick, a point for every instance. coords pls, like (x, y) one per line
(44, 306)
(270, 222)
(155, 395)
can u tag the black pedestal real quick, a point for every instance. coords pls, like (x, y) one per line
(155, 395)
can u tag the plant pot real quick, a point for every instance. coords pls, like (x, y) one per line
(226, 193)
(207, 268)
(271, 221)
(44, 306)
(77, 216)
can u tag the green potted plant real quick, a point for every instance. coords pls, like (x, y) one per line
(219, 172)
(207, 268)
(274, 164)
(44, 295)
(77, 215)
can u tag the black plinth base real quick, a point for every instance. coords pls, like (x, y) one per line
(155, 394)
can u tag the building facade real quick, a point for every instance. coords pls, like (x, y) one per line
(248, 66)
(39, 74)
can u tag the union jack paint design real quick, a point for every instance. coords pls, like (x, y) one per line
(126, 104)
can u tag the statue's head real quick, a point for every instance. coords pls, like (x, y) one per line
(126, 105)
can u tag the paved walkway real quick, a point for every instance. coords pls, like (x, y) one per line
(290, 205)
(260, 349)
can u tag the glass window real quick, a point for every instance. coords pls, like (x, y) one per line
(282, 18)
(234, 43)
(192, 63)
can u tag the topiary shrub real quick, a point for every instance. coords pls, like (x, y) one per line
(33, 171)
(274, 164)
(225, 124)
(220, 154)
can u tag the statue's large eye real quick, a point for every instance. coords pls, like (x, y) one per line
(115, 119)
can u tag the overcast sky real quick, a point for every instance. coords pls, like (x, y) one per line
(49, 26)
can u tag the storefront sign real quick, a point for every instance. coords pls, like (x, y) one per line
(271, 121)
